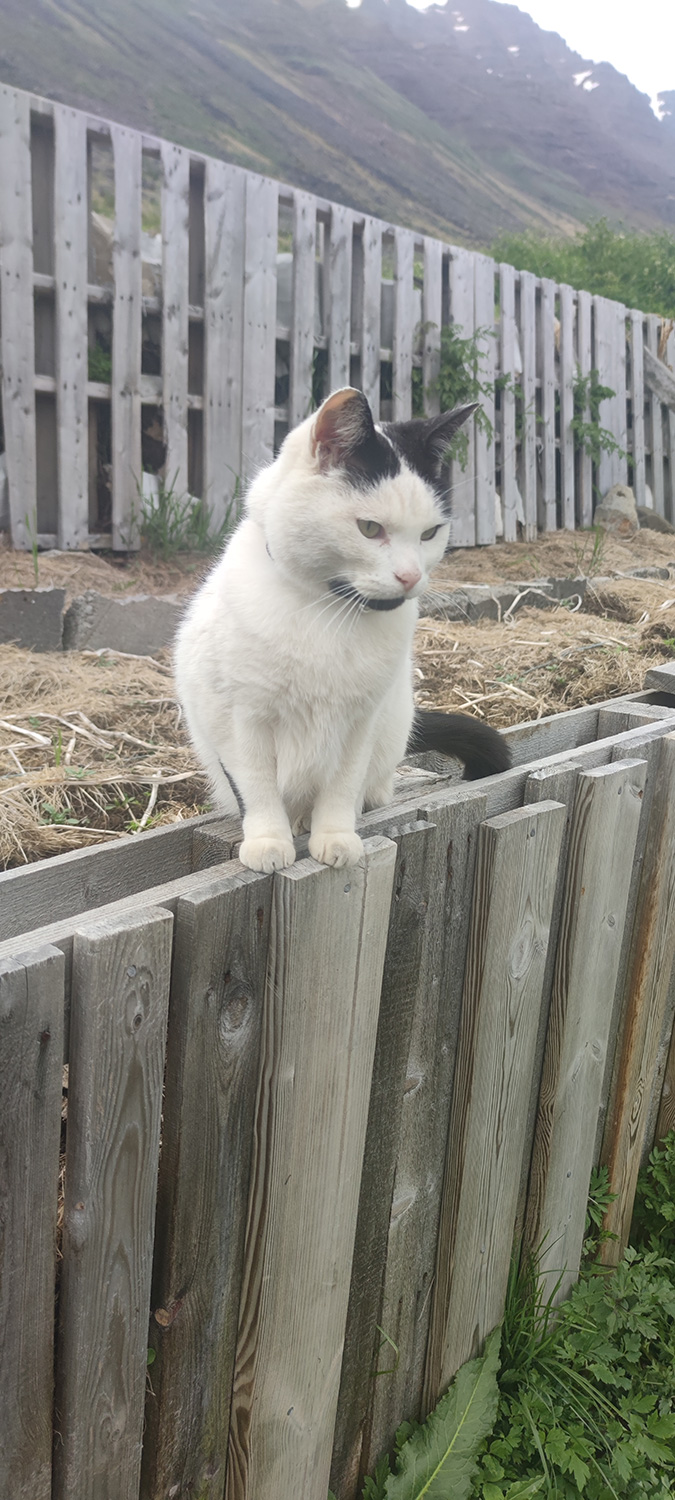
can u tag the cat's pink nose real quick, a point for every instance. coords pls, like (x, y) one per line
(408, 577)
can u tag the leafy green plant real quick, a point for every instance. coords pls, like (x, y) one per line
(460, 380)
(171, 523)
(600, 1196)
(57, 816)
(99, 364)
(654, 1211)
(589, 435)
(589, 551)
(630, 266)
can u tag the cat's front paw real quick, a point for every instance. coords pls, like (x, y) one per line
(336, 848)
(267, 855)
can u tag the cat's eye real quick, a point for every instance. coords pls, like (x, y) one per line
(427, 535)
(370, 528)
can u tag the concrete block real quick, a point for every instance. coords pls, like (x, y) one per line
(481, 601)
(32, 618)
(141, 625)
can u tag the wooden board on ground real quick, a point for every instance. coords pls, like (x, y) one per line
(31, 1053)
(605, 822)
(114, 1114)
(215, 1022)
(514, 888)
(327, 947)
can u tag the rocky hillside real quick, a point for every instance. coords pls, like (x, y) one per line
(460, 122)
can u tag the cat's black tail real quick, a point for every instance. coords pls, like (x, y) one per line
(483, 751)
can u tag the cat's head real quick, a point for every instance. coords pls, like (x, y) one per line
(355, 508)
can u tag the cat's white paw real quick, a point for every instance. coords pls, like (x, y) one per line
(336, 848)
(267, 855)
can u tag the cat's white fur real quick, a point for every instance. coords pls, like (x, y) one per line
(305, 698)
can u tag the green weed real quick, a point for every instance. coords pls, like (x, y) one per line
(171, 523)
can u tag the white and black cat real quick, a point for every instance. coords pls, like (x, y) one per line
(294, 661)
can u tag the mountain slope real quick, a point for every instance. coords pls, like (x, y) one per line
(458, 123)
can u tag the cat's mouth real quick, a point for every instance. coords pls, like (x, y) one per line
(345, 590)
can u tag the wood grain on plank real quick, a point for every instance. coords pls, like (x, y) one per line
(17, 314)
(302, 313)
(507, 463)
(260, 323)
(546, 351)
(584, 367)
(513, 894)
(463, 477)
(175, 286)
(126, 340)
(340, 259)
(121, 974)
(528, 442)
(605, 823)
(370, 302)
(404, 325)
(646, 996)
(71, 212)
(213, 1044)
(31, 1060)
(405, 981)
(327, 947)
(567, 372)
(224, 225)
(655, 424)
(484, 314)
(432, 321)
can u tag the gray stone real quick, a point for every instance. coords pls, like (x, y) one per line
(482, 601)
(141, 625)
(32, 618)
(652, 520)
(617, 512)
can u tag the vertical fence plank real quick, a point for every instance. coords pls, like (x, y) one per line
(339, 296)
(70, 275)
(371, 313)
(528, 449)
(507, 299)
(260, 323)
(584, 367)
(637, 397)
(604, 829)
(224, 231)
(655, 423)
(548, 511)
(17, 314)
(413, 1228)
(302, 312)
(404, 324)
(610, 362)
(670, 506)
(484, 312)
(463, 480)
(432, 322)
(650, 964)
(621, 457)
(516, 876)
(175, 282)
(120, 992)
(327, 946)
(567, 407)
(405, 980)
(31, 1056)
(127, 339)
(213, 1047)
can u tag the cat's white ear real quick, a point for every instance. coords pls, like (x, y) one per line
(342, 425)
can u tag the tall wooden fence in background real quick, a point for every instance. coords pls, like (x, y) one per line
(309, 1110)
(168, 313)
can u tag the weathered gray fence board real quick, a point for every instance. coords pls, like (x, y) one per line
(654, 424)
(432, 321)
(670, 418)
(648, 981)
(260, 317)
(175, 281)
(404, 325)
(302, 328)
(121, 974)
(419, 862)
(514, 888)
(17, 314)
(71, 209)
(370, 257)
(484, 310)
(340, 258)
(507, 296)
(215, 1020)
(528, 442)
(462, 479)
(126, 339)
(31, 1052)
(224, 216)
(637, 398)
(584, 367)
(327, 947)
(567, 371)
(605, 822)
(546, 358)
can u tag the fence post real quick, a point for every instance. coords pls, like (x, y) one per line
(17, 317)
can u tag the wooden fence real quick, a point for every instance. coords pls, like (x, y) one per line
(305, 1116)
(166, 314)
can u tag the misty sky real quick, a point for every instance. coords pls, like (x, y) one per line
(638, 39)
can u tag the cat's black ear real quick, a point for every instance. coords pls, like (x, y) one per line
(424, 442)
(342, 426)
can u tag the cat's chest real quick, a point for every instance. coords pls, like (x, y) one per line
(351, 660)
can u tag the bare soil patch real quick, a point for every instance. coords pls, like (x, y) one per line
(93, 747)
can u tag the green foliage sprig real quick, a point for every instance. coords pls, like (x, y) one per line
(654, 1211)
(589, 435)
(171, 523)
